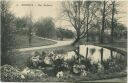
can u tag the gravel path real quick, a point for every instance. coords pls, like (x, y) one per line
(59, 43)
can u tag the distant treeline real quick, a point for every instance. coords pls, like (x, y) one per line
(44, 27)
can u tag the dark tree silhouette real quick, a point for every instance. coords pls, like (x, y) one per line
(7, 32)
(30, 28)
(45, 27)
(103, 22)
(112, 21)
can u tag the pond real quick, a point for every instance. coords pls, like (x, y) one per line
(94, 53)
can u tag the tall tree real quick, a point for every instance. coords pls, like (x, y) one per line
(103, 22)
(81, 15)
(7, 32)
(112, 21)
(88, 13)
(30, 27)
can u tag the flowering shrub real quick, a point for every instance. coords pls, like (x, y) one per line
(35, 61)
(9, 73)
(33, 74)
(55, 65)
(78, 68)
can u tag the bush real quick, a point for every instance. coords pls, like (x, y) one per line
(64, 33)
(59, 65)
(33, 74)
(45, 27)
(36, 60)
(11, 74)
(114, 65)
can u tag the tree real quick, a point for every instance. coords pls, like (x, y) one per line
(109, 18)
(20, 23)
(112, 21)
(120, 31)
(103, 22)
(88, 4)
(59, 33)
(64, 33)
(7, 32)
(105, 13)
(101, 53)
(45, 27)
(81, 15)
(30, 27)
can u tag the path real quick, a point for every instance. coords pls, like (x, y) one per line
(59, 43)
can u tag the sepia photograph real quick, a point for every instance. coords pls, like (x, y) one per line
(70, 41)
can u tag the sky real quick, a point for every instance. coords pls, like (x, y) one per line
(43, 8)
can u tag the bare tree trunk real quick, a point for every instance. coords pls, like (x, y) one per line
(112, 21)
(78, 34)
(87, 20)
(103, 23)
(30, 26)
(30, 36)
(78, 51)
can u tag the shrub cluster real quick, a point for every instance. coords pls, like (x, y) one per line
(11, 74)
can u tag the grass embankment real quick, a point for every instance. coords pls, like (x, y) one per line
(22, 42)
(116, 43)
(122, 45)
(118, 46)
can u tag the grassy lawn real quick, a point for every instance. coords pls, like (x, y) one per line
(22, 42)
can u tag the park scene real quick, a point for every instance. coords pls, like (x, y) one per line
(64, 41)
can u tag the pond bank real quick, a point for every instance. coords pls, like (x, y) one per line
(111, 47)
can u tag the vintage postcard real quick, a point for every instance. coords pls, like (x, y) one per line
(64, 41)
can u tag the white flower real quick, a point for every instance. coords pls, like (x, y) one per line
(75, 70)
(60, 74)
(84, 73)
(22, 76)
(48, 60)
(25, 71)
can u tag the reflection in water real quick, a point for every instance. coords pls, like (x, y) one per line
(86, 53)
(111, 53)
(96, 56)
(95, 53)
(101, 53)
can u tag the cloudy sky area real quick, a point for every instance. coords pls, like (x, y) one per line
(52, 8)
